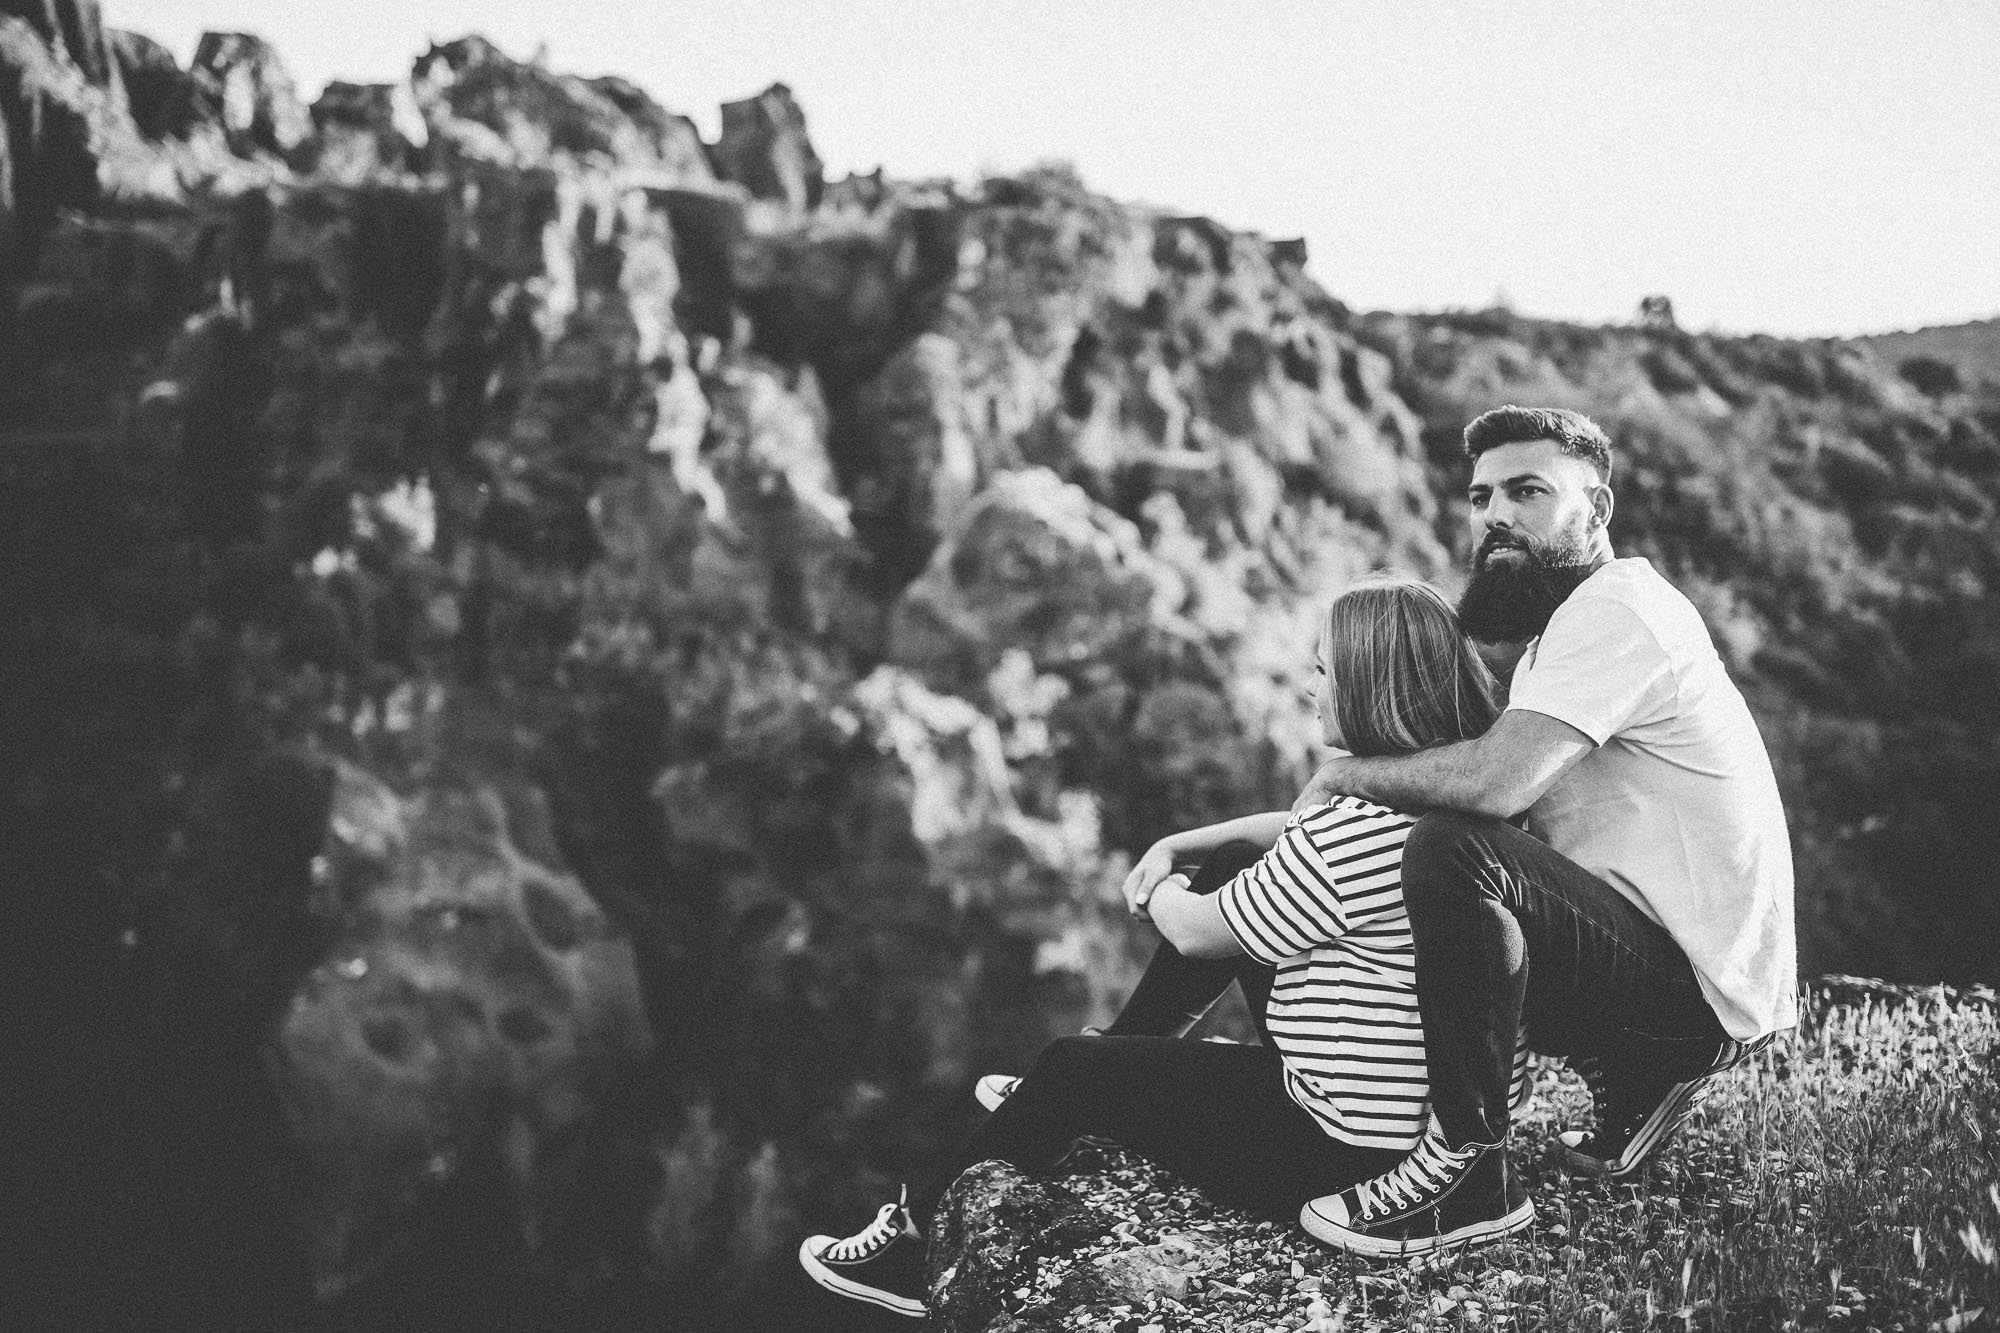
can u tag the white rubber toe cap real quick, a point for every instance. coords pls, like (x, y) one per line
(993, 1089)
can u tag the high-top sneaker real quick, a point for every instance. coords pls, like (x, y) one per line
(883, 1263)
(1639, 1107)
(1434, 1199)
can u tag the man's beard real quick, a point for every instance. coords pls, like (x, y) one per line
(1510, 601)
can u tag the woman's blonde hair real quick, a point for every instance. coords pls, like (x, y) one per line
(1405, 677)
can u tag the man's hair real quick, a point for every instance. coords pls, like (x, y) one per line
(1574, 433)
(1404, 675)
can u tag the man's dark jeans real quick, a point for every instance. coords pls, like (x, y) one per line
(1509, 931)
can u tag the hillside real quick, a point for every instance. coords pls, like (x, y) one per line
(1971, 349)
(572, 686)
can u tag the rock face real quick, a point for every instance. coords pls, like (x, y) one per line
(474, 1010)
(585, 682)
(993, 1229)
(764, 148)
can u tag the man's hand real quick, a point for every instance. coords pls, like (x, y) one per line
(1145, 876)
(1323, 786)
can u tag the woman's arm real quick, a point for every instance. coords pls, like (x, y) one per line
(1262, 830)
(1192, 922)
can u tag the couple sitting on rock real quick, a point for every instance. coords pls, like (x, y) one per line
(1401, 939)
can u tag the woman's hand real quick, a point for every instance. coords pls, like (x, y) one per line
(1145, 876)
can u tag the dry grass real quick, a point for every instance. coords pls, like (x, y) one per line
(1847, 1180)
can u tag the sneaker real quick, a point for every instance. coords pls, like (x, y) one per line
(1639, 1109)
(993, 1089)
(883, 1263)
(1434, 1199)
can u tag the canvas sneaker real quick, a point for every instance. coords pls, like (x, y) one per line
(1437, 1198)
(1638, 1108)
(993, 1089)
(882, 1264)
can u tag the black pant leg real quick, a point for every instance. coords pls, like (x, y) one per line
(1506, 929)
(1217, 1115)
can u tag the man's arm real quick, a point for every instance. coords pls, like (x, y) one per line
(1192, 922)
(1500, 773)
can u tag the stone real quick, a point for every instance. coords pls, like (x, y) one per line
(846, 292)
(474, 1008)
(72, 29)
(764, 147)
(905, 455)
(163, 97)
(1031, 564)
(366, 129)
(993, 1228)
(246, 81)
(1159, 1271)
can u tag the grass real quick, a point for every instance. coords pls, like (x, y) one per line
(1846, 1180)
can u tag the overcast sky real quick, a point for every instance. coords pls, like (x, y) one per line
(1790, 166)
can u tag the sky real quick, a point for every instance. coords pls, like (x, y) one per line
(1799, 167)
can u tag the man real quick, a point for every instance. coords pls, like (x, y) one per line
(1642, 924)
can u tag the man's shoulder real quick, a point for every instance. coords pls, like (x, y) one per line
(1629, 584)
(1629, 578)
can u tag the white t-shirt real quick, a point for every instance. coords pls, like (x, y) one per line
(1677, 807)
(1325, 908)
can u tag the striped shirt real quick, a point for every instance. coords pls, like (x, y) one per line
(1325, 908)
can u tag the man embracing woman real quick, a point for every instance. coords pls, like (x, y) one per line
(1604, 864)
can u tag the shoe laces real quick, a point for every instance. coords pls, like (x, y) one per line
(872, 1239)
(1427, 1171)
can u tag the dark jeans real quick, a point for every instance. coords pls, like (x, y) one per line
(1215, 1114)
(1509, 931)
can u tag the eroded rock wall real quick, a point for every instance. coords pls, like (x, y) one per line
(581, 684)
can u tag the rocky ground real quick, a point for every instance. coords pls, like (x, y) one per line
(1117, 1245)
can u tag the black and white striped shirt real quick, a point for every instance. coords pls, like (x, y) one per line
(1325, 908)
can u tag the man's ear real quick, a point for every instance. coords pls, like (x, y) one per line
(1601, 504)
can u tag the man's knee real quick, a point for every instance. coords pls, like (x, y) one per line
(1443, 854)
(1445, 841)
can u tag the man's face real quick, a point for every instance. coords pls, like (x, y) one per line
(1532, 496)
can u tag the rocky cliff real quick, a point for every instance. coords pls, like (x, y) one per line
(570, 685)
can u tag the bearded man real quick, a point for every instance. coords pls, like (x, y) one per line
(1641, 922)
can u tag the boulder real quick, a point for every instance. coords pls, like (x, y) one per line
(764, 148)
(993, 1230)
(1033, 564)
(474, 1013)
(363, 130)
(905, 455)
(72, 28)
(480, 103)
(70, 142)
(844, 292)
(164, 98)
(245, 81)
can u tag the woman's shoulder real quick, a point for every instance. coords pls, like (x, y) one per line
(1353, 814)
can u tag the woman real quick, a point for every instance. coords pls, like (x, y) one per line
(1306, 913)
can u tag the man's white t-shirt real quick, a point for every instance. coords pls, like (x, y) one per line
(1677, 807)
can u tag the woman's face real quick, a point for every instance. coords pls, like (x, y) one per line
(1323, 686)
